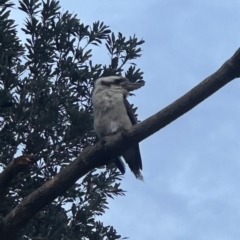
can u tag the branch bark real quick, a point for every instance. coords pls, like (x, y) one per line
(110, 146)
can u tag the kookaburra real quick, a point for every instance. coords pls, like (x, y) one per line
(112, 113)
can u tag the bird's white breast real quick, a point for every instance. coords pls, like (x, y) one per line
(109, 112)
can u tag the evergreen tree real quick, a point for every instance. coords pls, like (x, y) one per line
(46, 115)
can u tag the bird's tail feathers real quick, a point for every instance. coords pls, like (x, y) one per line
(120, 165)
(138, 175)
(133, 158)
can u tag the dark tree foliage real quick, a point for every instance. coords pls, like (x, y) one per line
(46, 111)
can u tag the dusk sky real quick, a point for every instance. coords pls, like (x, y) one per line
(192, 166)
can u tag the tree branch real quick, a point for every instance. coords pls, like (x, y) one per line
(109, 147)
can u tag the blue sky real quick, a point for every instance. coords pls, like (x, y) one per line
(191, 167)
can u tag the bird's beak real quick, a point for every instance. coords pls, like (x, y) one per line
(129, 86)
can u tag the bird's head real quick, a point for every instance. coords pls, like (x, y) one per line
(117, 83)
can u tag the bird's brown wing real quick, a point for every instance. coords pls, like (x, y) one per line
(132, 156)
(131, 112)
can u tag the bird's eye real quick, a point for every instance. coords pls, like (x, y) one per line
(119, 80)
(107, 84)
